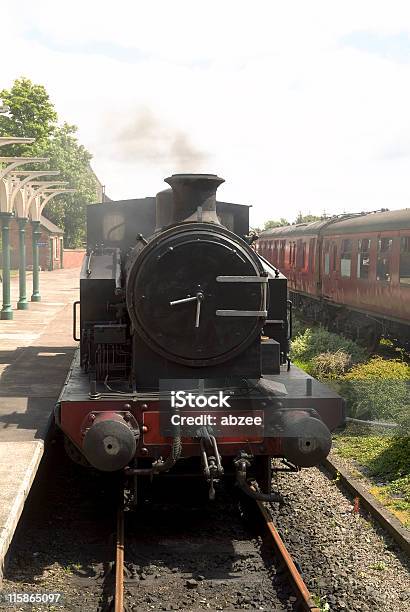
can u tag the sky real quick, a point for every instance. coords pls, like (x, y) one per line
(299, 106)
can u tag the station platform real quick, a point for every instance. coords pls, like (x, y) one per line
(36, 350)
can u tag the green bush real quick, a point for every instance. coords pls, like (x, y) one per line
(377, 367)
(379, 389)
(298, 326)
(312, 342)
(330, 365)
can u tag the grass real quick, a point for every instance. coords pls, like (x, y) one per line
(321, 603)
(387, 461)
(380, 566)
(376, 387)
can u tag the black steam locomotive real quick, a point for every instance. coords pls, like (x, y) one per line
(184, 332)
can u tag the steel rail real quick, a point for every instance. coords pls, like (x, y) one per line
(366, 500)
(119, 562)
(300, 588)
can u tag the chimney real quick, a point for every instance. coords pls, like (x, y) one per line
(194, 197)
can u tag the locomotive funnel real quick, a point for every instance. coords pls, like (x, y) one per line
(194, 197)
(109, 444)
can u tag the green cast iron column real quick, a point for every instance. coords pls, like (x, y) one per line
(6, 311)
(36, 297)
(22, 304)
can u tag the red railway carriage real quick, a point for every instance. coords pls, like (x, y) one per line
(353, 270)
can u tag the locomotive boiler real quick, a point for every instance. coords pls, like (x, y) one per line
(184, 333)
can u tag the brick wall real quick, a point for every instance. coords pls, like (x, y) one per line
(44, 249)
(49, 254)
(73, 258)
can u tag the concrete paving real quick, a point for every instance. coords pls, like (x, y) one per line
(36, 350)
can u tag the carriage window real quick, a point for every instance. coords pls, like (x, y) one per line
(327, 258)
(312, 253)
(275, 252)
(405, 260)
(282, 252)
(301, 254)
(363, 258)
(292, 254)
(299, 261)
(346, 258)
(334, 260)
(384, 247)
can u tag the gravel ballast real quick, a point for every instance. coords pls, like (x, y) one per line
(201, 556)
(345, 558)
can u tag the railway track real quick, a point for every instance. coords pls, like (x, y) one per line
(367, 501)
(302, 599)
(187, 554)
(119, 561)
(305, 601)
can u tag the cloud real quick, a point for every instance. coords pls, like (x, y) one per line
(395, 46)
(280, 99)
(112, 50)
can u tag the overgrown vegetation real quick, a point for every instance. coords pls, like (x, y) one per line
(387, 461)
(32, 114)
(316, 341)
(379, 389)
(375, 389)
(330, 365)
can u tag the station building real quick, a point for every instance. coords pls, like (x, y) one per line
(50, 245)
(52, 254)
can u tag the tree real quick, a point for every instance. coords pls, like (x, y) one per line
(32, 114)
(301, 218)
(275, 223)
(73, 161)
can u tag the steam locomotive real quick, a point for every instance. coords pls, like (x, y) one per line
(183, 365)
